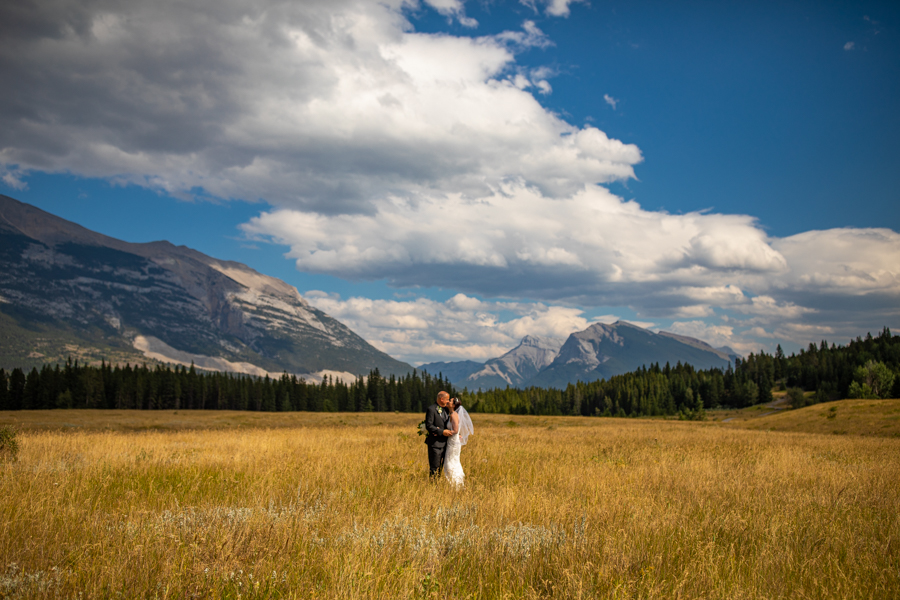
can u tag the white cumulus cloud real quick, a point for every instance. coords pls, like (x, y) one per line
(461, 328)
(326, 106)
(13, 177)
(593, 249)
(590, 247)
(453, 8)
(554, 8)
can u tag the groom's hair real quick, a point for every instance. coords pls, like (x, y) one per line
(443, 394)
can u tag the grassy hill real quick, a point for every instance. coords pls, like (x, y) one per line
(879, 418)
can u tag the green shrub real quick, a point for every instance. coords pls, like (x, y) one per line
(797, 397)
(871, 381)
(9, 445)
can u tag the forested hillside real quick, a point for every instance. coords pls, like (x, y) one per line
(865, 368)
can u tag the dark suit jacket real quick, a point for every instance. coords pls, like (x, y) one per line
(436, 423)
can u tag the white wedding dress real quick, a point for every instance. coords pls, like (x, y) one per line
(453, 470)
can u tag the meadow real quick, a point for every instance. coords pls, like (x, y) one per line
(318, 505)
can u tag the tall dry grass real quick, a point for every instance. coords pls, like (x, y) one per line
(553, 508)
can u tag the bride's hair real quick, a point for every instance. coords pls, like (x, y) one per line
(456, 403)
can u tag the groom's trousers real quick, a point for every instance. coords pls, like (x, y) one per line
(436, 458)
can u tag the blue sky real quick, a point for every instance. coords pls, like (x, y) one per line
(722, 170)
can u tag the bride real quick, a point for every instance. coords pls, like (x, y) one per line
(461, 429)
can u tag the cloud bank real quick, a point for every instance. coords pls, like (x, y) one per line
(594, 250)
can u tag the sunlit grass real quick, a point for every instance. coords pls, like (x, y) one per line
(843, 417)
(339, 506)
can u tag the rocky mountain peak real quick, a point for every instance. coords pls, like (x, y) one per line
(166, 299)
(534, 341)
(601, 331)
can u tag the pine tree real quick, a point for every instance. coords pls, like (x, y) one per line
(31, 397)
(267, 395)
(16, 389)
(4, 391)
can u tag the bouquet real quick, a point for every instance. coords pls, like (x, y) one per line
(422, 429)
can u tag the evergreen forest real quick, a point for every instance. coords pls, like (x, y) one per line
(865, 368)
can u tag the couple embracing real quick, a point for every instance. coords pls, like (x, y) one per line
(449, 427)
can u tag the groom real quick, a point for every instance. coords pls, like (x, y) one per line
(436, 418)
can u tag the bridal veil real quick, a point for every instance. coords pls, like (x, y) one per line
(466, 428)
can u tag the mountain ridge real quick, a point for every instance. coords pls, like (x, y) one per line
(103, 291)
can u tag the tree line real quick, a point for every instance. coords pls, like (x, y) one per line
(866, 368)
(165, 388)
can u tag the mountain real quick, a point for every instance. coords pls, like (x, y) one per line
(68, 291)
(602, 351)
(730, 353)
(517, 366)
(724, 353)
(454, 370)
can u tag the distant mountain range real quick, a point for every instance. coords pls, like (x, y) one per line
(68, 291)
(599, 352)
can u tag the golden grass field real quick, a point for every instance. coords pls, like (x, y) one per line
(303, 505)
